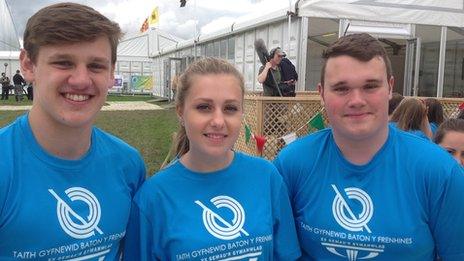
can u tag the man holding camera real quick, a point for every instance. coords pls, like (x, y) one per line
(281, 70)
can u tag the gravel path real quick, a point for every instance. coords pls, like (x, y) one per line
(113, 106)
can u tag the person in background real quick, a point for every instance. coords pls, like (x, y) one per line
(450, 135)
(66, 186)
(364, 190)
(5, 82)
(434, 113)
(225, 200)
(30, 91)
(394, 102)
(275, 73)
(411, 116)
(18, 82)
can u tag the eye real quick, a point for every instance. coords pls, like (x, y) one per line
(341, 89)
(451, 151)
(62, 64)
(369, 87)
(203, 107)
(230, 108)
(96, 67)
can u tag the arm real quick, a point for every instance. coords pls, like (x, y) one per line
(447, 213)
(263, 74)
(286, 245)
(138, 239)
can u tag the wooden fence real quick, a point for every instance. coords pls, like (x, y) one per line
(275, 117)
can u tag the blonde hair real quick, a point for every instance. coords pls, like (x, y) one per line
(205, 66)
(409, 114)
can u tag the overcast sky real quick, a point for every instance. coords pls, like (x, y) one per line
(130, 14)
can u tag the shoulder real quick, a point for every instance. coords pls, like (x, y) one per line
(108, 140)
(308, 144)
(8, 131)
(421, 153)
(253, 162)
(118, 151)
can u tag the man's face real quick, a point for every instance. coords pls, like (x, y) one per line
(356, 97)
(71, 82)
(277, 58)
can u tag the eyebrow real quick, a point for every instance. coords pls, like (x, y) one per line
(344, 83)
(211, 100)
(71, 57)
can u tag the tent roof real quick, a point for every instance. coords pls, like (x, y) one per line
(429, 12)
(8, 37)
(146, 44)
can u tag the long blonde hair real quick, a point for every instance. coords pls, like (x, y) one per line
(409, 114)
(209, 65)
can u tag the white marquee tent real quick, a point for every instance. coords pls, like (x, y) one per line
(8, 37)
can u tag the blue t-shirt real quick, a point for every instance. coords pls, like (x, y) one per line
(433, 127)
(241, 211)
(418, 133)
(405, 204)
(56, 209)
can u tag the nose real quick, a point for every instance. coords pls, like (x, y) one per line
(217, 120)
(357, 98)
(80, 77)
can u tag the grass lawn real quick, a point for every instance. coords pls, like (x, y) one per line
(111, 97)
(148, 131)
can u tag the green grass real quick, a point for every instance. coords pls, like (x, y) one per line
(111, 97)
(118, 97)
(12, 102)
(148, 131)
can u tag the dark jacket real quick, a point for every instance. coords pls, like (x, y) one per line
(288, 70)
(18, 79)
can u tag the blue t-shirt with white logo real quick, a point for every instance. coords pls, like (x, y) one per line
(241, 212)
(405, 204)
(56, 209)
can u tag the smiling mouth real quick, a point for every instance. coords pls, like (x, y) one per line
(76, 97)
(215, 136)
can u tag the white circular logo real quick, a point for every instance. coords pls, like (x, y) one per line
(85, 226)
(345, 216)
(219, 227)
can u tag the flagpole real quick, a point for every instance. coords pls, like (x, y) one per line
(195, 30)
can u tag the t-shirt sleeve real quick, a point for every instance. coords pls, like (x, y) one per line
(139, 236)
(279, 163)
(447, 215)
(286, 245)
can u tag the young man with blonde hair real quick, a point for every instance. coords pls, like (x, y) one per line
(66, 186)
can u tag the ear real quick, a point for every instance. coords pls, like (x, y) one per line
(391, 83)
(27, 66)
(179, 112)
(320, 89)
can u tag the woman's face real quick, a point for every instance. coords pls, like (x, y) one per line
(453, 142)
(212, 115)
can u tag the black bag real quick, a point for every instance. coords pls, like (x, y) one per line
(287, 90)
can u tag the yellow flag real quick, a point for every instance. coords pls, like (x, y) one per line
(154, 17)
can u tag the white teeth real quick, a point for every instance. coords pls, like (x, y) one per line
(215, 136)
(76, 97)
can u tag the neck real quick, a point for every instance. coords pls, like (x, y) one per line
(199, 163)
(61, 141)
(360, 152)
